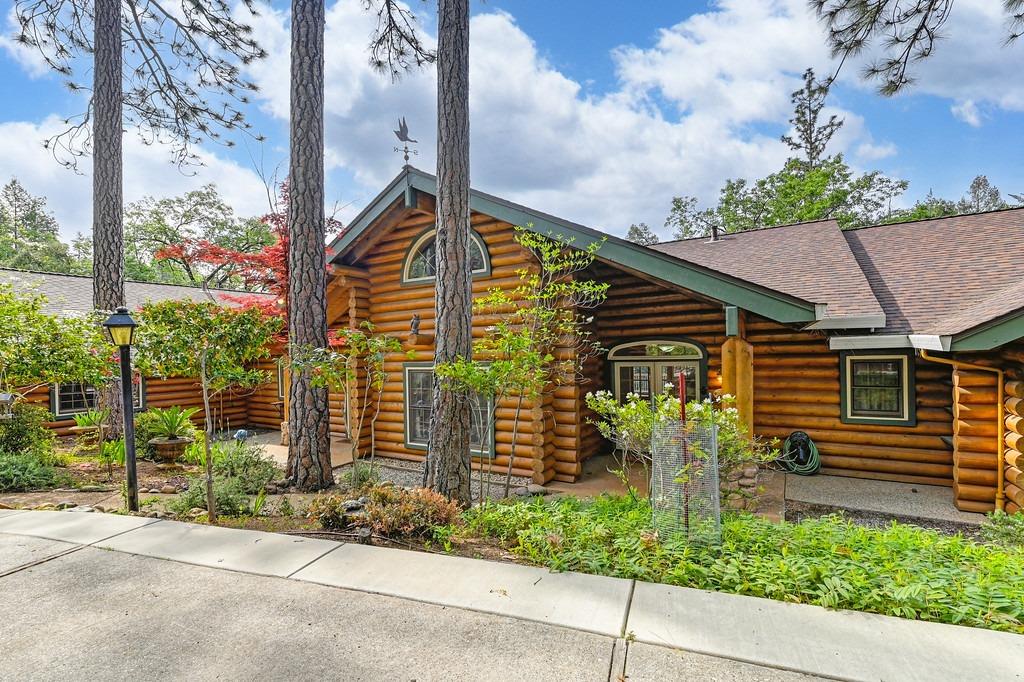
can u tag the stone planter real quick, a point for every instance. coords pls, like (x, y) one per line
(169, 449)
(81, 430)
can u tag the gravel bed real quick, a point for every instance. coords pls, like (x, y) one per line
(798, 511)
(410, 474)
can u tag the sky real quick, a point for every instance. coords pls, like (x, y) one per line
(598, 112)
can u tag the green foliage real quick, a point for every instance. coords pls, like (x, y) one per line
(1004, 529)
(641, 234)
(37, 348)
(26, 433)
(901, 570)
(361, 475)
(112, 452)
(397, 512)
(228, 494)
(736, 447)
(24, 472)
(29, 234)
(91, 418)
(245, 463)
(172, 422)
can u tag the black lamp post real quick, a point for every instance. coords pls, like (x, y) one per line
(121, 329)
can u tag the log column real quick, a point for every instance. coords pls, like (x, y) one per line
(975, 447)
(738, 366)
(1014, 484)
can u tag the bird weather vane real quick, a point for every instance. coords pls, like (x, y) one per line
(403, 136)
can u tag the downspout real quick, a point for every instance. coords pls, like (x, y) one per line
(1000, 414)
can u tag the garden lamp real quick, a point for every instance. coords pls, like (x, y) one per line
(121, 330)
(6, 406)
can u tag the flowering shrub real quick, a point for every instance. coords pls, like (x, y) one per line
(631, 424)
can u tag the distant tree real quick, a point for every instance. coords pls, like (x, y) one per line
(809, 137)
(906, 32)
(29, 238)
(201, 218)
(641, 234)
(811, 186)
(982, 195)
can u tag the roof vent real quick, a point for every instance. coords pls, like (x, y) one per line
(714, 233)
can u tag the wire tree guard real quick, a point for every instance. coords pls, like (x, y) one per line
(684, 478)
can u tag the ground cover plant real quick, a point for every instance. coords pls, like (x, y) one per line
(901, 570)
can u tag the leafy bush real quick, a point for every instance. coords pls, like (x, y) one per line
(1004, 529)
(327, 510)
(246, 463)
(394, 511)
(229, 497)
(26, 434)
(361, 475)
(91, 418)
(22, 472)
(901, 570)
(173, 422)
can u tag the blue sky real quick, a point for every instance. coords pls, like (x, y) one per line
(596, 111)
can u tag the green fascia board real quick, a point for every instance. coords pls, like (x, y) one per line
(991, 335)
(715, 285)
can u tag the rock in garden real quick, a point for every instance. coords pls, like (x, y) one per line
(5, 506)
(82, 508)
(352, 505)
(93, 489)
(168, 490)
(66, 504)
(44, 507)
(536, 489)
(364, 500)
(521, 492)
(166, 465)
(750, 471)
(271, 489)
(748, 482)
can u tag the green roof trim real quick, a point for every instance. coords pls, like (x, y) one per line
(766, 302)
(991, 335)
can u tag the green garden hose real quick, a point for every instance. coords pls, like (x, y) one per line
(800, 454)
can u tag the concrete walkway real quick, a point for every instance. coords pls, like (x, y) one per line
(100, 596)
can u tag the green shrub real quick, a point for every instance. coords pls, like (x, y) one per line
(173, 422)
(26, 433)
(228, 495)
(394, 511)
(901, 570)
(361, 475)
(91, 418)
(1004, 529)
(246, 463)
(22, 472)
(153, 423)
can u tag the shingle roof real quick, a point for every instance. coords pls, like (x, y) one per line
(946, 275)
(72, 294)
(808, 260)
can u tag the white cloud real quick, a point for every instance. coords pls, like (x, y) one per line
(146, 172)
(967, 111)
(869, 151)
(27, 57)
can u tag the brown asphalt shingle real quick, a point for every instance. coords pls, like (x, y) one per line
(946, 275)
(810, 260)
(72, 294)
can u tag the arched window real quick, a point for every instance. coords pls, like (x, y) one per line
(421, 262)
(647, 368)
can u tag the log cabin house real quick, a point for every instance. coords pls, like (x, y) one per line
(72, 295)
(897, 348)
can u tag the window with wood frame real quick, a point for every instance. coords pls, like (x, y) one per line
(419, 387)
(421, 261)
(877, 388)
(74, 398)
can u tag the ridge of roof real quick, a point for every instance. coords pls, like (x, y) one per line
(133, 281)
(763, 228)
(1008, 209)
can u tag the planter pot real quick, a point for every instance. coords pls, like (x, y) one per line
(169, 449)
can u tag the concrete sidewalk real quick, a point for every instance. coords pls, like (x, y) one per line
(153, 607)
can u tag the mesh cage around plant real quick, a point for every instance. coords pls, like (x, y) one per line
(684, 481)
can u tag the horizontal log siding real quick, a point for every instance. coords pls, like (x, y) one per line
(230, 410)
(796, 388)
(1013, 364)
(266, 409)
(391, 306)
(975, 445)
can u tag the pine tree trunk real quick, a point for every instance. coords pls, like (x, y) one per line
(448, 460)
(107, 197)
(309, 446)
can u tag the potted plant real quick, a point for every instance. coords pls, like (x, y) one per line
(173, 428)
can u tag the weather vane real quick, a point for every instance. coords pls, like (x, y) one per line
(403, 136)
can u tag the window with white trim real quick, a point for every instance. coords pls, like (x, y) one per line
(877, 388)
(421, 262)
(74, 398)
(419, 387)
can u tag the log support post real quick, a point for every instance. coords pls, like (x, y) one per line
(738, 366)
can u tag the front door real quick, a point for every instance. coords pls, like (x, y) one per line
(662, 376)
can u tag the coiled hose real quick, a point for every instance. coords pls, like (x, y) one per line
(800, 454)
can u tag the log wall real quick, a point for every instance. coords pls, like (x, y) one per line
(389, 305)
(1013, 364)
(975, 439)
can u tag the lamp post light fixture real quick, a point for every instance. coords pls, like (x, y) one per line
(120, 329)
(6, 406)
